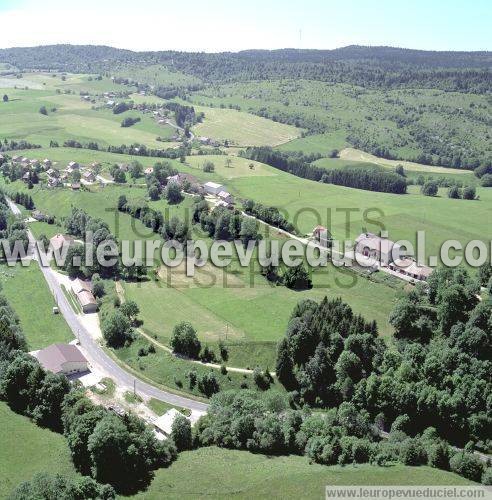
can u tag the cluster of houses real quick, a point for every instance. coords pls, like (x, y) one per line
(390, 255)
(382, 253)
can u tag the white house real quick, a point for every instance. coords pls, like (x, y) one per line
(213, 188)
(62, 358)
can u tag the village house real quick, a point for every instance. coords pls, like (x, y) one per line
(149, 171)
(60, 241)
(75, 186)
(89, 176)
(164, 423)
(181, 179)
(47, 163)
(376, 247)
(409, 267)
(34, 163)
(52, 173)
(124, 167)
(213, 188)
(226, 197)
(65, 359)
(73, 165)
(321, 235)
(54, 182)
(83, 292)
(26, 177)
(16, 159)
(204, 140)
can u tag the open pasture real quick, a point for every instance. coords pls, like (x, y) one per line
(243, 129)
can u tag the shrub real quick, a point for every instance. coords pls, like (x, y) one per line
(467, 465)
(181, 433)
(185, 340)
(430, 188)
(469, 193)
(438, 456)
(487, 477)
(412, 453)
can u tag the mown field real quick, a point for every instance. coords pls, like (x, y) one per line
(287, 477)
(27, 449)
(29, 295)
(243, 129)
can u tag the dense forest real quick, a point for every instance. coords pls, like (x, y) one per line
(376, 67)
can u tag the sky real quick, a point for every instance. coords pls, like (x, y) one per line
(232, 25)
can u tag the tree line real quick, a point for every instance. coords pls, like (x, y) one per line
(300, 165)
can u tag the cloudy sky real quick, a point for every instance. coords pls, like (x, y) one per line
(217, 25)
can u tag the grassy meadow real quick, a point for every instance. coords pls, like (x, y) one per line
(69, 117)
(242, 129)
(29, 295)
(27, 449)
(251, 475)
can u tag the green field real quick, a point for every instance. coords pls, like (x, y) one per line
(28, 293)
(27, 449)
(70, 117)
(221, 473)
(242, 129)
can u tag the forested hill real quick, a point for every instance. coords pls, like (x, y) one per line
(367, 66)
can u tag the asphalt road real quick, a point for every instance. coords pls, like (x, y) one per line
(96, 355)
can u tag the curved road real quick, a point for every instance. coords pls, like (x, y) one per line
(95, 354)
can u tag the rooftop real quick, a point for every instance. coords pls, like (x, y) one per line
(53, 357)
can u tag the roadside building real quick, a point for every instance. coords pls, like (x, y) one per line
(409, 267)
(376, 247)
(83, 292)
(213, 188)
(62, 358)
(60, 241)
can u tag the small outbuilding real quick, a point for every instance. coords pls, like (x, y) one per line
(85, 297)
(213, 188)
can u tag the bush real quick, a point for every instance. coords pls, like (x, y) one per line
(181, 433)
(469, 193)
(185, 341)
(486, 180)
(297, 278)
(412, 453)
(430, 188)
(43, 110)
(467, 465)
(129, 121)
(454, 192)
(438, 456)
(487, 477)
(208, 166)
